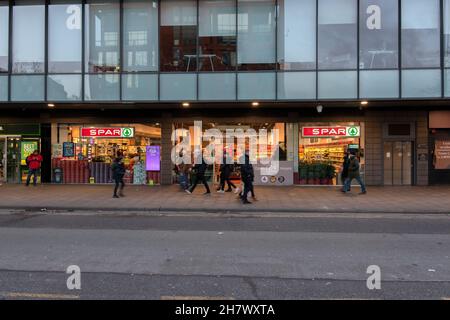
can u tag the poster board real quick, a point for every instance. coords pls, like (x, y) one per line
(442, 154)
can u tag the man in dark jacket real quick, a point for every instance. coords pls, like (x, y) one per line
(118, 170)
(247, 176)
(226, 168)
(199, 170)
(353, 173)
(344, 173)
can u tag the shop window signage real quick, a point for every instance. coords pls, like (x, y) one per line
(113, 132)
(313, 132)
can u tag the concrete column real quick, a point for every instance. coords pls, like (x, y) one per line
(166, 148)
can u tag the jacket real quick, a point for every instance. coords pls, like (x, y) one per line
(118, 169)
(345, 165)
(353, 167)
(34, 161)
(247, 173)
(200, 169)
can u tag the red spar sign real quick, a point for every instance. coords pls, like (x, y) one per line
(107, 132)
(353, 131)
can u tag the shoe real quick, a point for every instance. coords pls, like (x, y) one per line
(246, 202)
(115, 196)
(237, 190)
(188, 191)
(220, 191)
(363, 192)
(208, 192)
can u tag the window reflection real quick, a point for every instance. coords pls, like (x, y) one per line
(378, 34)
(217, 35)
(178, 36)
(28, 38)
(102, 36)
(256, 34)
(337, 34)
(4, 27)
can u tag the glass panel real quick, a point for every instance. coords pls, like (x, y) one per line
(379, 84)
(297, 34)
(64, 87)
(397, 161)
(406, 165)
(102, 36)
(337, 85)
(28, 38)
(3, 88)
(337, 34)
(101, 87)
(4, 27)
(140, 44)
(217, 35)
(178, 34)
(447, 82)
(139, 87)
(378, 34)
(64, 38)
(221, 86)
(420, 33)
(296, 85)
(388, 163)
(421, 83)
(447, 33)
(27, 88)
(178, 87)
(258, 86)
(256, 34)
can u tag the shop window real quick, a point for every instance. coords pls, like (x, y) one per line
(322, 147)
(84, 153)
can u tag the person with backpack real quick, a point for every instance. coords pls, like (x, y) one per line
(353, 173)
(247, 176)
(226, 168)
(199, 170)
(33, 161)
(118, 172)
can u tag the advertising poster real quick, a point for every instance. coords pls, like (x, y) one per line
(442, 154)
(68, 149)
(153, 158)
(27, 148)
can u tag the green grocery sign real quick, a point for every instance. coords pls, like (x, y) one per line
(26, 149)
(353, 131)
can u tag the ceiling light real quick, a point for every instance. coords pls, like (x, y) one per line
(51, 105)
(255, 104)
(364, 103)
(185, 104)
(319, 108)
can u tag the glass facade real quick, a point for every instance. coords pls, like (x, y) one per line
(223, 50)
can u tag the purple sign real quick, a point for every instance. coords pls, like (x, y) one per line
(153, 156)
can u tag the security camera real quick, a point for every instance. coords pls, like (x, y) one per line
(319, 108)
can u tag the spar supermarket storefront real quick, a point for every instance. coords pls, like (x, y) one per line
(322, 146)
(83, 153)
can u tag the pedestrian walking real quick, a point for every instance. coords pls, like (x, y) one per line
(183, 174)
(354, 173)
(344, 172)
(226, 169)
(199, 170)
(118, 171)
(247, 176)
(33, 161)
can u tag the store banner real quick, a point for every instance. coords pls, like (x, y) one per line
(317, 132)
(153, 158)
(112, 132)
(26, 149)
(442, 154)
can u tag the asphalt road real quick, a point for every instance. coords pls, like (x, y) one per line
(170, 257)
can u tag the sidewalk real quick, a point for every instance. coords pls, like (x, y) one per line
(270, 199)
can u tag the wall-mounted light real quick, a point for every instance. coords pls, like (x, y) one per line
(255, 104)
(364, 103)
(50, 105)
(319, 108)
(185, 104)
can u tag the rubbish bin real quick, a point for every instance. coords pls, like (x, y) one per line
(57, 175)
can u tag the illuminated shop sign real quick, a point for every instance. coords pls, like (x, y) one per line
(107, 132)
(311, 132)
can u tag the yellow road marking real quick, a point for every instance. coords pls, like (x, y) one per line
(195, 298)
(39, 295)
